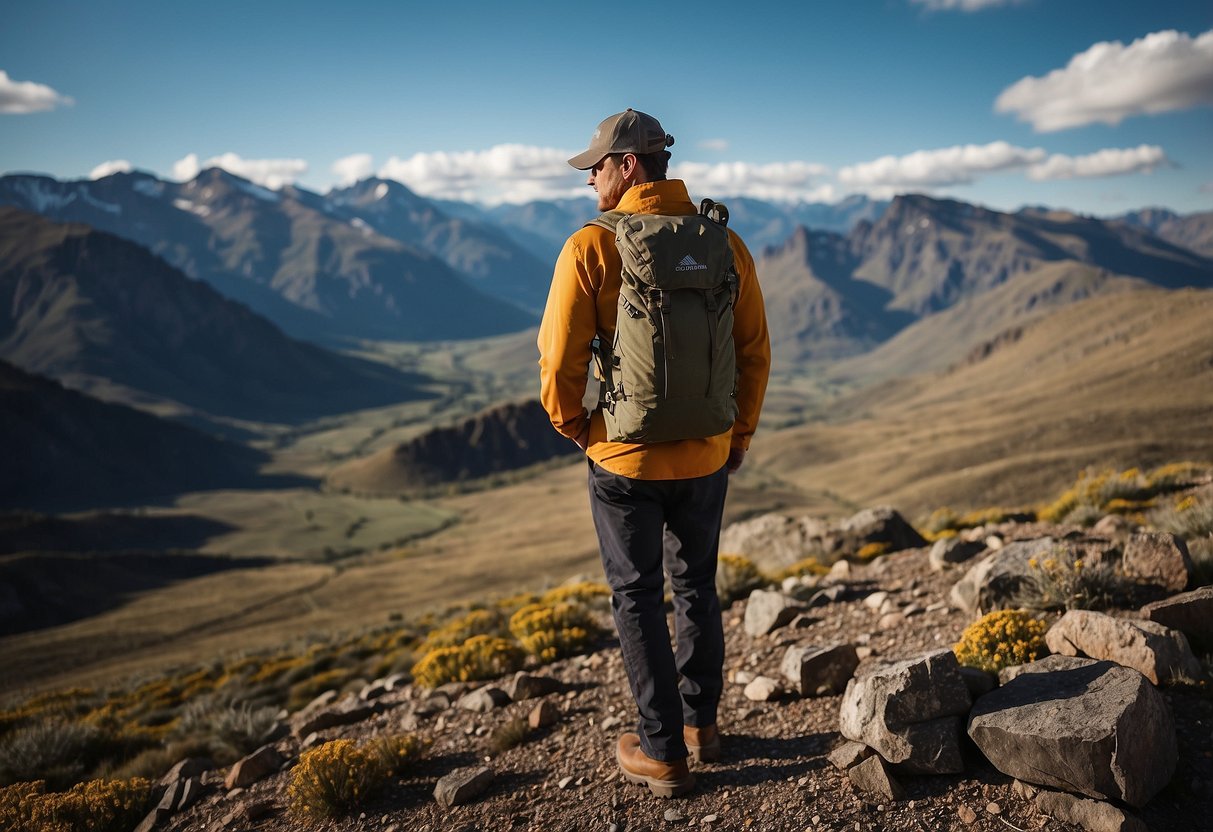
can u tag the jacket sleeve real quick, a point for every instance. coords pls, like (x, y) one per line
(752, 344)
(569, 325)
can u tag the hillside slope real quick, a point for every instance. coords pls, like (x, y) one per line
(1124, 379)
(82, 305)
(63, 450)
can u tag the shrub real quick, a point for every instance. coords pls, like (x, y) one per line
(553, 631)
(1174, 476)
(397, 751)
(459, 630)
(1001, 639)
(54, 750)
(510, 734)
(588, 593)
(334, 777)
(736, 577)
(808, 566)
(870, 551)
(480, 657)
(1061, 581)
(96, 806)
(1190, 517)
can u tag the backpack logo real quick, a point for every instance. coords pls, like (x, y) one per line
(689, 264)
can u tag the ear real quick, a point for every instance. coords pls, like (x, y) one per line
(628, 165)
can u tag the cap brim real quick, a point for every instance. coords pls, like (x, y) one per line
(587, 160)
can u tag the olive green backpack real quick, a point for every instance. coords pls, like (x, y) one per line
(670, 371)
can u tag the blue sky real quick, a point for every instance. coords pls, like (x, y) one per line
(793, 101)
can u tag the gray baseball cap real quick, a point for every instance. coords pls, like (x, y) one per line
(628, 132)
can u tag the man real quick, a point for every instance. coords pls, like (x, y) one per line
(654, 505)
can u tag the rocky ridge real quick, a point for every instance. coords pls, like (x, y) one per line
(848, 713)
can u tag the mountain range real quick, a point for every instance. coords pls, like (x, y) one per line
(101, 313)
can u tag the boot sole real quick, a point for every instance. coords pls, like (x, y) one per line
(705, 753)
(659, 787)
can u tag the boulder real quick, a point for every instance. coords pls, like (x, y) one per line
(257, 766)
(848, 754)
(1101, 730)
(817, 671)
(1190, 612)
(767, 611)
(910, 713)
(187, 768)
(1113, 526)
(463, 785)
(997, 580)
(871, 776)
(484, 700)
(1161, 654)
(951, 551)
(321, 720)
(1158, 558)
(1091, 815)
(1046, 665)
(881, 525)
(527, 686)
(776, 538)
(978, 681)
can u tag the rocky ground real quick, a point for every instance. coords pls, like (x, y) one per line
(775, 775)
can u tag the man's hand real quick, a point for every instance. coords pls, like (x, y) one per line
(736, 457)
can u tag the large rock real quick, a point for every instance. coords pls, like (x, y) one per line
(767, 611)
(484, 700)
(998, 579)
(463, 785)
(1091, 815)
(1190, 612)
(910, 713)
(1101, 730)
(951, 551)
(1159, 653)
(881, 525)
(817, 671)
(302, 725)
(528, 686)
(1046, 665)
(777, 540)
(871, 776)
(257, 766)
(1158, 558)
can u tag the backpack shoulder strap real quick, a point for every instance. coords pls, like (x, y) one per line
(608, 220)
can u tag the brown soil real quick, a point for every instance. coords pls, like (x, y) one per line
(774, 775)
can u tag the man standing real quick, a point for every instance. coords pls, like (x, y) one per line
(657, 506)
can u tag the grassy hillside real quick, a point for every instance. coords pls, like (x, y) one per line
(1125, 379)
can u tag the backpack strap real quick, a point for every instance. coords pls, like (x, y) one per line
(715, 211)
(608, 220)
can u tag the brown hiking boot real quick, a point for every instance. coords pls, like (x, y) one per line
(703, 744)
(663, 779)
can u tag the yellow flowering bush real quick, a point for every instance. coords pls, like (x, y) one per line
(480, 657)
(807, 566)
(736, 577)
(459, 630)
(331, 778)
(1001, 639)
(869, 551)
(553, 631)
(95, 806)
(585, 592)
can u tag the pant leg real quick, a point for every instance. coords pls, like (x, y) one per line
(629, 518)
(692, 540)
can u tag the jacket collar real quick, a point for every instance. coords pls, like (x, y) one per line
(668, 197)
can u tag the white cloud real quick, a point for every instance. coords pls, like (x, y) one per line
(936, 168)
(21, 97)
(1109, 82)
(963, 5)
(106, 168)
(1109, 162)
(352, 168)
(186, 168)
(718, 145)
(270, 173)
(779, 181)
(504, 173)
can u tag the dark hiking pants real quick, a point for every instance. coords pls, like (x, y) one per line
(646, 527)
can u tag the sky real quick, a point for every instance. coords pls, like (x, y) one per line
(1097, 106)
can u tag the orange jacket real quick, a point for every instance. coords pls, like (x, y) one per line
(583, 301)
